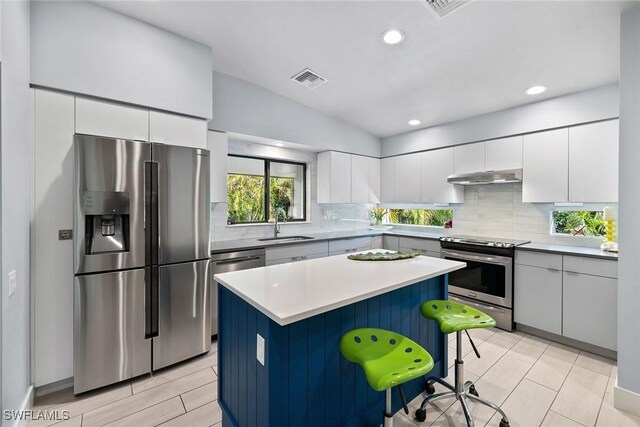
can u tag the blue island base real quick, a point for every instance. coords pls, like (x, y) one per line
(305, 381)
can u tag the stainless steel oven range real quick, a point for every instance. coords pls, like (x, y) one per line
(487, 281)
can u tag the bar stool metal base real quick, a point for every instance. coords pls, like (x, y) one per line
(461, 390)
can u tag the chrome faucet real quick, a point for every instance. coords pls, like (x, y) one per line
(276, 228)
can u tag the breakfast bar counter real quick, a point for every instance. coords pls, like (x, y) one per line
(278, 352)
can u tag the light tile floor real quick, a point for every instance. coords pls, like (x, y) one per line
(182, 395)
(537, 383)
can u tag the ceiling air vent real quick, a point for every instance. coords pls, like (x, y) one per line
(308, 78)
(441, 8)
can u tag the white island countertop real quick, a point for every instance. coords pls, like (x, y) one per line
(287, 293)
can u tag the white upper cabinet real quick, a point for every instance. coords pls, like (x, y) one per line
(111, 120)
(436, 166)
(374, 180)
(593, 162)
(545, 161)
(468, 158)
(407, 178)
(387, 180)
(177, 130)
(360, 176)
(503, 154)
(218, 150)
(334, 177)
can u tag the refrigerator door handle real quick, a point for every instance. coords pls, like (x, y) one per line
(151, 212)
(151, 302)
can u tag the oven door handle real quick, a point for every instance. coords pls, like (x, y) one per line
(499, 260)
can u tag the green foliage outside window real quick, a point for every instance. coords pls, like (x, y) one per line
(245, 198)
(587, 223)
(281, 196)
(435, 217)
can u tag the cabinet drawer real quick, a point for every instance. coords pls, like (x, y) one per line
(349, 245)
(290, 251)
(596, 267)
(539, 259)
(414, 244)
(294, 258)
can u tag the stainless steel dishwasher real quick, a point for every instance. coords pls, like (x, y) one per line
(231, 261)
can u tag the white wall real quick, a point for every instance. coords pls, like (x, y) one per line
(242, 107)
(629, 267)
(83, 48)
(17, 169)
(580, 107)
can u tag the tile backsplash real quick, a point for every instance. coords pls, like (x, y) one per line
(497, 210)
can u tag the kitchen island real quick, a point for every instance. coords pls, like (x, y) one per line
(279, 363)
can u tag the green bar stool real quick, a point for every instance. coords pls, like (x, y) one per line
(456, 317)
(388, 360)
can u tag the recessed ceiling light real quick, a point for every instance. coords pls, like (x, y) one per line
(279, 144)
(535, 90)
(414, 122)
(392, 36)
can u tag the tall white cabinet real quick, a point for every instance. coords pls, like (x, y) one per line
(545, 176)
(217, 143)
(436, 166)
(407, 178)
(593, 162)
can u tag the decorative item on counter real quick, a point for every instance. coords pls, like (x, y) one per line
(610, 244)
(377, 216)
(383, 256)
(448, 223)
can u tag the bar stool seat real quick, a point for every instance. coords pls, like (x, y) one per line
(388, 360)
(455, 317)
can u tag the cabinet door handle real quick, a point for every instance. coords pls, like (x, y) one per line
(573, 273)
(553, 270)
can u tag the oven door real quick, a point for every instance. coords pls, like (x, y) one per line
(486, 278)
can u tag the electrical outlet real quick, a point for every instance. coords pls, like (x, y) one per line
(260, 349)
(13, 282)
(65, 234)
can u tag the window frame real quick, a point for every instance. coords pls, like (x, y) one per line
(267, 188)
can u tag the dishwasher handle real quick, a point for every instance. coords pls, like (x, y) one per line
(236, 260)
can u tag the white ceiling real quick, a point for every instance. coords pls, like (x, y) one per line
(478, 59)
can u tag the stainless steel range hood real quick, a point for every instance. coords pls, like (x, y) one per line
(489, 177)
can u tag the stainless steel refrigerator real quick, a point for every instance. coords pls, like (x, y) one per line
(141, 258)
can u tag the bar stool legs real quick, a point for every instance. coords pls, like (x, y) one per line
(461, 390)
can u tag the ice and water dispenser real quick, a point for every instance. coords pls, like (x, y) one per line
(106, 221)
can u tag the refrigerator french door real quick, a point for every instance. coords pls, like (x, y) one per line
(141, 249)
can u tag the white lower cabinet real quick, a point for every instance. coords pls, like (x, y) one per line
(568, 295)
(391, 243)
(538, 298)
(345, 246)
(377, 242)
(590, 309)
(294, 253)
(427, 247)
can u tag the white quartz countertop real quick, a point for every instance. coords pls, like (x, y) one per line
(287, 293)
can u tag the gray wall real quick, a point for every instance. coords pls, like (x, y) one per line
(83, 48)
(629, 267)
(580, 107)
(242, 107)
(17, 159)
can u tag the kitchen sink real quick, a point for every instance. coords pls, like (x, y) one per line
(285, 239)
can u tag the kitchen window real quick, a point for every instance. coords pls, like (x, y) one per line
(574, 223)
(256, 187)
(433, 217)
